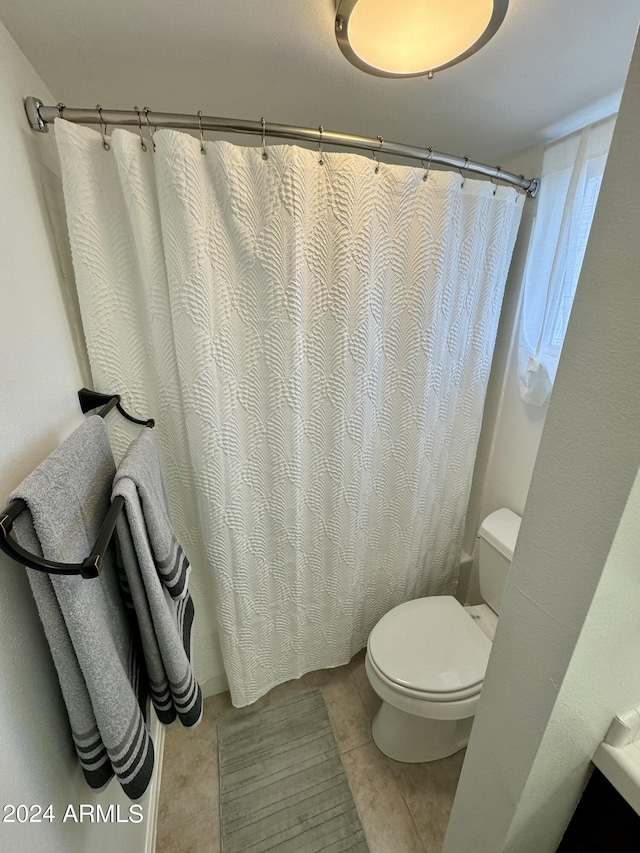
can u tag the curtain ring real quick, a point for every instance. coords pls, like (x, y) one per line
(425, 177)
(142, 142)
(202, 148)
(320, 131)
(145, 110)
(265, 156)
(376, 154)
(465, 168)
(493, 180)
(60, 107)
(103, 128)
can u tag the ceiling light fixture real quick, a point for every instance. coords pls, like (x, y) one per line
(409, 38)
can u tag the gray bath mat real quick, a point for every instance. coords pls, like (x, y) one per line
(282, 784)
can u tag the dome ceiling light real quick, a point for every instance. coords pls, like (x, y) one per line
(409, 38)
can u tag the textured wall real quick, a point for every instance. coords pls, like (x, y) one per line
(42, 369)
(569, 622)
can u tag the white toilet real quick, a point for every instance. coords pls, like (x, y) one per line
(426, 659)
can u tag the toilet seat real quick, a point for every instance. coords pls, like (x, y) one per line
(425, 695)
(430, 649)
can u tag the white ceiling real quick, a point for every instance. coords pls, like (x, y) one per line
(279, 59)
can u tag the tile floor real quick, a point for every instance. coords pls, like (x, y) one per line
(404, 808)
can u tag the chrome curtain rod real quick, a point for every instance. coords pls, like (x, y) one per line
(40, 116)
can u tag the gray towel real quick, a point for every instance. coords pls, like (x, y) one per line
(93, 644)
(156, 571)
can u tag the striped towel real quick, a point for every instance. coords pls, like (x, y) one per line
(94, 645)
(155, 571)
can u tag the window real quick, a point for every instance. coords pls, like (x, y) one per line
(572, 172)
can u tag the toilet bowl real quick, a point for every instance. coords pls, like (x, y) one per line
(426, 659)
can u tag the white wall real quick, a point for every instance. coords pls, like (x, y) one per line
(42, 369)
(566, 652)
(603, 679)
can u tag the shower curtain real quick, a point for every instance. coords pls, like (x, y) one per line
(315, 343)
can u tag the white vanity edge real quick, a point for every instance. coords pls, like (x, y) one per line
(621, 766)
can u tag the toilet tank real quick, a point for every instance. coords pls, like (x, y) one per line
(498, 535)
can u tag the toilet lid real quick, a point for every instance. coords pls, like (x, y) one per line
(431, 645)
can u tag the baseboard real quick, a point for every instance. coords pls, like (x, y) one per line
(216, 684)
(157, 736)
(212, 686)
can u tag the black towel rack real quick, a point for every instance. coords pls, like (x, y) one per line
(89, 568)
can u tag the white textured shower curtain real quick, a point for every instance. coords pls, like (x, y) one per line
(315, 343)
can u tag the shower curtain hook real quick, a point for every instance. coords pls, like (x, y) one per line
(425, 177)
(145, 110)
(60, 107)
(320, 131)
(465, 168)
(376, 154)
(202, 148)
(103, 128)
(265, 156)
(515, 189)
(493, 180)
(142, 142)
